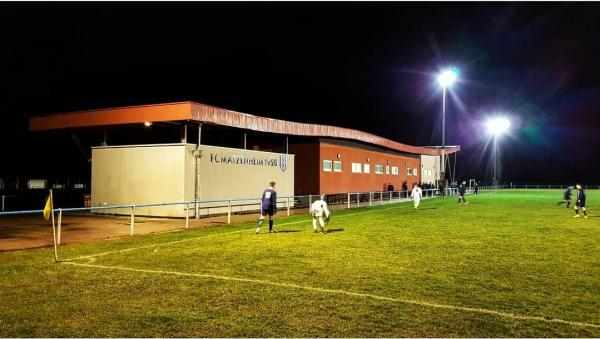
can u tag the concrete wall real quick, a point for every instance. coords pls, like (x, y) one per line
(146, 174)
(229, 173)
(143, 174)
(430, 164)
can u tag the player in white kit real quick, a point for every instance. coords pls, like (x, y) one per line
(319, 212)
(416, 195)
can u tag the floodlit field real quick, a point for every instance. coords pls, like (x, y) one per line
(508, 264)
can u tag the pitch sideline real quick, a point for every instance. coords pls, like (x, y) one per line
(349, 293)
(222, 234)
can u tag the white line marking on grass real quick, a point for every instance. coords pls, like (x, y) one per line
(355, 294)
(214, 235)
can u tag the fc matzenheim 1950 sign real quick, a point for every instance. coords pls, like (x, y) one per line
(255, 161)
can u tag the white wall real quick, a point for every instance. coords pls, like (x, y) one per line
(229, 173)
(145, 174)
(430, 164)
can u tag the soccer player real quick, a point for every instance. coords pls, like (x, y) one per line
(268, 206)
(580, 202)
(416, 195)
(567, 197)
(462, 191)
(319, 212)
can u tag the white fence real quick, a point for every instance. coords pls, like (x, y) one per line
(229, 207)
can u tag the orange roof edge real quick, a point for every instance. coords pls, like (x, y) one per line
(113, 116)
(188, 110)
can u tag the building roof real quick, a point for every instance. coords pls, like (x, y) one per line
(201, 113)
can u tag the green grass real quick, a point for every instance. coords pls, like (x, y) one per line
(513, 252)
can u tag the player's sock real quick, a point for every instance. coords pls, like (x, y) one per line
(260, 222)
(270, 225)
(568, 204)
(459, 200)
(314, 225)
(322, 223)
(585, 212)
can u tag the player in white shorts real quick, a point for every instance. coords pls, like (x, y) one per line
(319, 212)
(416, 195)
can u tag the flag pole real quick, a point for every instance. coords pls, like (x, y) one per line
(53, 226)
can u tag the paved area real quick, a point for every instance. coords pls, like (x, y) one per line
(32, 231)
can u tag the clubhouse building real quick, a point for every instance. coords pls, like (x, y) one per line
(188, 151)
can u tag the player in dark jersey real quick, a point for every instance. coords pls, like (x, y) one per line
(580, 202)
(268, 206)
(567, 197)
(462, 191)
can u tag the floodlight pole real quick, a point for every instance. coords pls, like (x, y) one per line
(443, 174)
(495, 159)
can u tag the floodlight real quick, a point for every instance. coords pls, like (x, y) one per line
(447, 77)
(497, 126)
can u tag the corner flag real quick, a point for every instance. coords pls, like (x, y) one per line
(48, 207)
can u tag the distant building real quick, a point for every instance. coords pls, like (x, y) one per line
(139, 167)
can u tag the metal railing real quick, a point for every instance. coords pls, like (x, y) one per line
(229, 207)
(4, 198)
(536, 187)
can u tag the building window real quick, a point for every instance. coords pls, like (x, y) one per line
(395, 170)
(356, 167)
(337, 166)
(387, 169)
(408, 171)
(378, 169)
(327, 165)
(366, 168)
(414, 171)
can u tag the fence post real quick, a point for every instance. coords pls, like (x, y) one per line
(357, 199)
(309, 202)
(197, 208)
(229, 211)
(381, 198)
(390, 198)
(288, 206)
(132, 222)
(59, 231)
(348, 200)
(370, 198)
(187, 216)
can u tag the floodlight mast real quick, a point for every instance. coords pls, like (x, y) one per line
(496, 127)
(445, 79)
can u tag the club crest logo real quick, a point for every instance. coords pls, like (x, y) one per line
(283, 162)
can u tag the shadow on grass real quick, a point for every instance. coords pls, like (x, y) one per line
(335, 230)
(428, 208)
(288, 231)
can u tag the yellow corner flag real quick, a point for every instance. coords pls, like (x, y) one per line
(48, 207)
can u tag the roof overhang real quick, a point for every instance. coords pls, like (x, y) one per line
(191, 111)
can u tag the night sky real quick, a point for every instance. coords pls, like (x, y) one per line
(365, 66)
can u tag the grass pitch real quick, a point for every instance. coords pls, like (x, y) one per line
(510, 263)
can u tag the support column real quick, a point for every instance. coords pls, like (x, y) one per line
(184, 137)
(104, 143)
